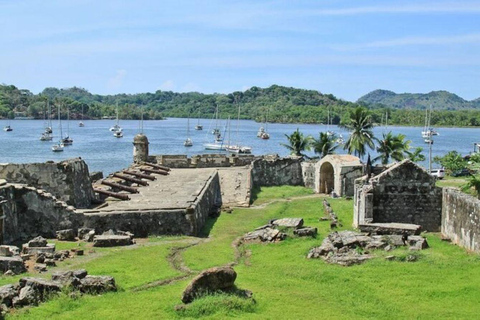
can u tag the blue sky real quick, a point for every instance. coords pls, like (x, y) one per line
(346, 48)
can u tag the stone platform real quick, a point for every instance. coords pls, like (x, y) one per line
(177, 203)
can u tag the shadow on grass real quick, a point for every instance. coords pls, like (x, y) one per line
(205, 232)
(254, 194)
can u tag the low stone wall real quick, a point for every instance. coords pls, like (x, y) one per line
(461, 219)
(274, 171)
(203, 160)
(308, 172)
(68, 180)
(29, 213)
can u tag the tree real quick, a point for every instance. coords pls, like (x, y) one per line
(298, 143)
(416, 155)
(473, 182)
(324, 145)
(452, 161)
(360, 125)
(392, 146)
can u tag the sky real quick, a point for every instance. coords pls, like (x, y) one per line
(344, 48)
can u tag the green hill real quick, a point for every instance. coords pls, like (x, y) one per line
(440, 100)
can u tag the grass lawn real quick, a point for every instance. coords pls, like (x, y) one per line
(444, 283)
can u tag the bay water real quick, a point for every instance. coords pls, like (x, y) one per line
(103, 152)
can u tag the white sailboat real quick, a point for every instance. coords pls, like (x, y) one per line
(237, 148)
(188, 142)
(329, 120)
(59, 146)
(198, 126)
(262, 131)
(8, 127)
(47, 123)
(428, 131)
(116, 127)
(67, 141)
(81, 124)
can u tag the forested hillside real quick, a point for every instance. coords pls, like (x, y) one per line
(439, 100)
(275, 104)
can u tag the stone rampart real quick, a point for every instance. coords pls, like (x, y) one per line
(461, 219)
(68, 180)
(202, 160)
(275, 171)
(142, 223)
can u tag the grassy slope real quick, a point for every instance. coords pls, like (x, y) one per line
(444, 283)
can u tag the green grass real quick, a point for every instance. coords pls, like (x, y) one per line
(261, 195)
(444, 283)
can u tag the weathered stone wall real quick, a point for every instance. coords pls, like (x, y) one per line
(405, 193)
(29, 213)
(209, 198)
(308, 172)
(68, 180)
(274, 171)
(210, 160)
(348, 175)
(461, 219)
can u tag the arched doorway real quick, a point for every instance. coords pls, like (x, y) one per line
(327, 183)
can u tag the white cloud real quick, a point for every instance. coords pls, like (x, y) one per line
(407, 41)
(168, 85)
(448, 7)
(116, 81)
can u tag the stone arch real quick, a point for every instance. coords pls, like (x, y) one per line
(327, 178)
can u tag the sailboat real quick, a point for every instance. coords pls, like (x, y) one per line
(67, 141)
(428, 131)
(59, 146)
(237, 148)
(329, 120)
(8, 127)
(116, 127)
(198, 126)
(188, 142)
(262, 131)
(81, 124)
(218, 140)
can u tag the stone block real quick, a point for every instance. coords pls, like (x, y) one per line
(306, 232)
(97, 284)
(288, 222)
(66, 235)
(210, 280)
(7, 293)
(111, 241)
(15, 264)
(37, 242)
(49, 249)
(8, 251)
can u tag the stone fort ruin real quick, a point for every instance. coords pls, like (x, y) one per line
(175, 194)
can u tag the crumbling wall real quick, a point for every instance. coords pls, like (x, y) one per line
(29, 213)
(208, 160)
(405, 193)
(209, 199)
(68, 180)
(274, 171)
(461, 218)
(348, 175)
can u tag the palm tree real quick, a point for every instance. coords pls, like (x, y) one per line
(324, 145)
(361, 135)
(297, 143)
(392, 146)
(473, 182)
(416, 155)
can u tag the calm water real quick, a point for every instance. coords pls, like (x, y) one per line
(103, 152)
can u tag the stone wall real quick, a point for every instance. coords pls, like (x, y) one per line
(209, 160)
(275, 171)
(404, 193)
(68, 180)
(30, 212)
(461, 219)
(308, 173)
